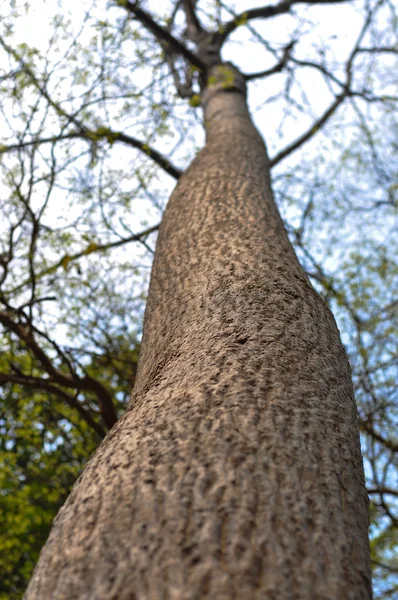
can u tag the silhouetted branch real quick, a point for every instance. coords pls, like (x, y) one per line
(339, 99)
(195, 28)
(311, 131)
(380, 49)
(383, 490)
(276, 69)
(265, 12)
(161, 34)
(367, 427)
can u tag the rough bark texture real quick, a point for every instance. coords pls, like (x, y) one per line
(236, 472)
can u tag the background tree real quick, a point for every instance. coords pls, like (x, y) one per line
(92, 122)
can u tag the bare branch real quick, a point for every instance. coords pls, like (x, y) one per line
(161, 34)
(334, 106)
(311, 131)
(383, 490)
(380, 49)
(156, 156)
(265, 12)
(83, 131)
(321, 68)
(184, 90)
(277, 68)
(368, 428)
(195, 28)
(40, 87)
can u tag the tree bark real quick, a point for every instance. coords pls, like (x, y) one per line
(236, 472)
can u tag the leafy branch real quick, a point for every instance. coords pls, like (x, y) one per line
(24, 331)
(100, 134)
(46, 385)
(90, 249)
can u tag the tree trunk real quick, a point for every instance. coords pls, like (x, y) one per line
(236, 472)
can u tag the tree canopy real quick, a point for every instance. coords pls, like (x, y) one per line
(100, 116)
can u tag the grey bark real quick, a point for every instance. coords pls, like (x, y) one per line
(236, 472)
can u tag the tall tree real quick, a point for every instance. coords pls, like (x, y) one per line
(237, 468)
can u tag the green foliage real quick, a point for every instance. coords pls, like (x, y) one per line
(44, 444)
(43, 449)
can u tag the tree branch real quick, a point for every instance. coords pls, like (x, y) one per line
(91, 248)
(184, 90)
(24, 333)
(338, 100)
(156, 156)
(83, 131)
(265, 12)
(276, 69)
(161, 34)
(367, 427)
(42, 384)
(311, 132)
(106, 405)
(194, 26)
(381, 49)
(383, 490)
(102, 133)
(41, 88)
